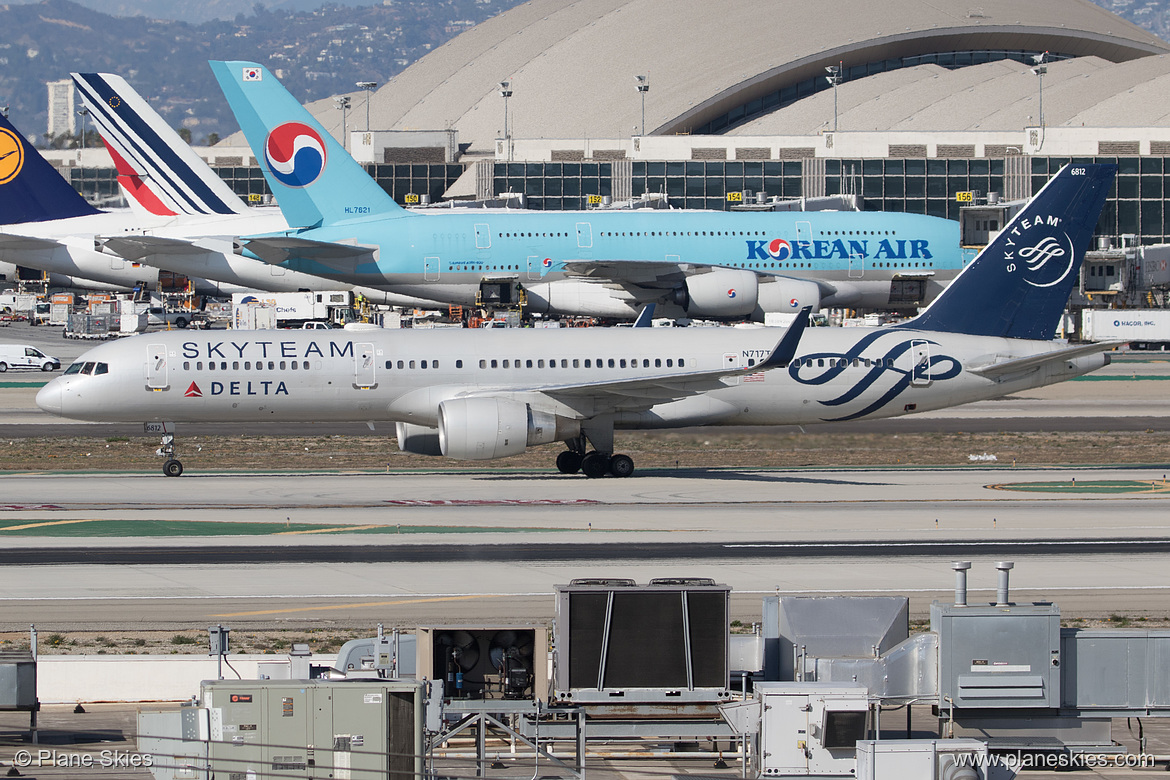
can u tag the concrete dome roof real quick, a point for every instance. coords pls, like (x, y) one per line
(572, 65)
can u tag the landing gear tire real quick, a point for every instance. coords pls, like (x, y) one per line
(621, 465)
(173, 468)
(569, 462)
(595, 465)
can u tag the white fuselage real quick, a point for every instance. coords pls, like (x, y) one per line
(403, 376)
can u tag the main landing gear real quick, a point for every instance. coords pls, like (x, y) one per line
(171, 467)
(595, 463)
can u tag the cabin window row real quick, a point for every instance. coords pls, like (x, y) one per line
(272, 365)
(550, 363)
(844, 362)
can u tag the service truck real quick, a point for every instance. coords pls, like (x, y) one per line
(293, 309)
(1142, 328)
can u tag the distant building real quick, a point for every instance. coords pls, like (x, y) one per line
(62, 116)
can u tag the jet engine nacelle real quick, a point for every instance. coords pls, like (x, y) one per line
(781, 294)
(418, 439)
(489, 428)
(719, 294)
(590, 299)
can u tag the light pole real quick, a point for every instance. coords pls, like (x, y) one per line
(84, 114)
(1041, 69)
(505, 93)
(834, 78)
(643, 88)
(342, 103)
(369, 87)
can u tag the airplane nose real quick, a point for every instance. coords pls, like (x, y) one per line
(49, 397)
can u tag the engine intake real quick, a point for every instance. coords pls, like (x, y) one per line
(418, 439)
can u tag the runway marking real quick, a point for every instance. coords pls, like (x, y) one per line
(395, 603)
(1103, 486)
(489, 501)
(42, 525)
(338, 529)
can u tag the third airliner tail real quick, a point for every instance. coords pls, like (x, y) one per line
(158, 171)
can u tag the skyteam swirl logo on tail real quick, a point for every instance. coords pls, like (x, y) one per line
(295, 154)
(874, 368)
(1045, 260)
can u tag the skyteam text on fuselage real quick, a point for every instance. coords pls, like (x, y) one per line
(478, 395)
(722, 265)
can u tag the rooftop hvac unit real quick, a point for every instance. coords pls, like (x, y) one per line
(662, 643)
(485, 662)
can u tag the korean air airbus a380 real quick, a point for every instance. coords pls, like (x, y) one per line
(720, 265)
(478, 395)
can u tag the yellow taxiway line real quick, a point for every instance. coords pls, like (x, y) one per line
(398, 602)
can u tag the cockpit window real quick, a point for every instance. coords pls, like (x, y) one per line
(74, 369)
(87, 369)
(101, 368)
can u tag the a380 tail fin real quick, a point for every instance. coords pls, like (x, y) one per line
(157, 169)
(314, 179)
(1020, 283)
(31, 190)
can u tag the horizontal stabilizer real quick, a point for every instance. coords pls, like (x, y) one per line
(138, 247)
(994, 370)
(15, 243)
(280, 249)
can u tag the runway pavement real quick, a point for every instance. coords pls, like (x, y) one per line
(356, 548)
(409, 548)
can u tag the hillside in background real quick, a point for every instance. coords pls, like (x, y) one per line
(315, 53)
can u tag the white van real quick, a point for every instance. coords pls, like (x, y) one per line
(25, 356)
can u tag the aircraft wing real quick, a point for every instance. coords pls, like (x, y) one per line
(638, 272)
(633, 275)
(16, 243)
(593, 398)
(279, 249)
(998, 369)
(138, 247)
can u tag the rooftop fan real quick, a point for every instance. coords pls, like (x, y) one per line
(511, 654)
(461, 654)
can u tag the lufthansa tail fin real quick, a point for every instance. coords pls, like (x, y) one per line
(314, 179)
(31, 190)
(1019, 285)
(156, 168)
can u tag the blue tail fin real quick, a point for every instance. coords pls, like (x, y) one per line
(31, 190)
(314, 179)
(1020, 283)
(170, 177)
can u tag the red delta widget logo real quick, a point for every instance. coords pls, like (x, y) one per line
(839, 249)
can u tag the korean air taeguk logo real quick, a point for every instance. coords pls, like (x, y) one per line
(295, 154)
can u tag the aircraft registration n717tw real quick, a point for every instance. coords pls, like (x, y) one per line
(485, 394)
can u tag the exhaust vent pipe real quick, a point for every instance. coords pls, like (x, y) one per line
(961, 568)
(1001, 585)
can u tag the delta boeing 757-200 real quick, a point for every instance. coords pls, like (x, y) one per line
(701, 264)
(478, 395)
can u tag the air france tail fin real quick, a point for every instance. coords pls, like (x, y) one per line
(1019, 285)
(314, 179)
(31, 190)
(156, 168)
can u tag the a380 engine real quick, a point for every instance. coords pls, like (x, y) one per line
(485, 429)
(725, 293)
